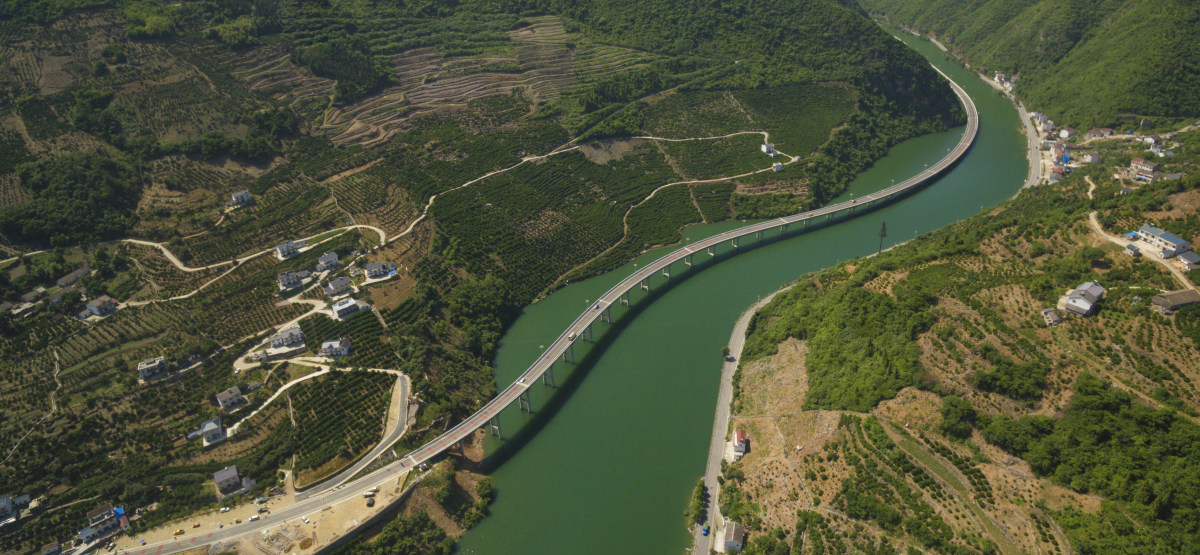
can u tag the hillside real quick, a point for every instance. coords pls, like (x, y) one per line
(159, 151)
(917, 399)
(1090, 63)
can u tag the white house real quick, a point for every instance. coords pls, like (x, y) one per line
(377, 270)
(1168, 244)
(1066, 133)
(735, 535)
(338, 287)
(344, 308)
(288, 249)
(231, 398)
(1083, 299)
(289, 280)
(290, 336)
(102, 305)
(336, 347)
(227, 479)
(148, 368)
(768, 148)
(328, 261)
(211, 432)
(241, 197)
(1188, 261)
(777, 167)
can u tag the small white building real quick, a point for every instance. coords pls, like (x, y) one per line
(338, 287)
(741, 444)
(1066, 133)
(1082, 300)
(735, 536)
(289, 280)
(768, 148)
(376, 270)
(1168, 244)
(148, 368)
(777, 167)
(231, 398)
(328, 261)
(1188, 261)
(287, 337)
(227, 479)
(102, 305)
(344, 308)
(211, 432)
(241, 197)
(336, 347)
(288, 249)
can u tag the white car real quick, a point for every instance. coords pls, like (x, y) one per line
(305, 519)
(224, 509)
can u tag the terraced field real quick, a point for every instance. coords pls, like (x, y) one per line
(542, 61)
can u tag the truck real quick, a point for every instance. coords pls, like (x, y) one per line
(368, 494)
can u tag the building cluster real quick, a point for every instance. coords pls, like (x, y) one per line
(769, 149)
(1006, 81)
(103, 521)
(288, 249)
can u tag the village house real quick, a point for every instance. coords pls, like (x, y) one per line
(101, 520)
(1106, 131)
(1057, 173)
(336, 348)
(1082, 300)
(102, 305)
(227, 479)
(338, 287)
(1133, 250)
(1160, 152)
(240, 198)
(1066, 133)
(741, 444)
(768, 149)
(287, 337)
(1051, 317)
(1087, 157)
(777, 167)
(230, 399)
(1188, 261)
(289, 280)
(149, 368)
(51, 548)
(288, 249)
(1095, 133)
(344, 308)
(210, 432)
(1168, 303)
(1168, 244)
(70, 279)
(1143, 170)
(327, 261)
(377, 270)
(735, 535)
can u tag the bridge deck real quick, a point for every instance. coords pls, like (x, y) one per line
(613, 295)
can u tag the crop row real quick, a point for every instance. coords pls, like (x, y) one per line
(340, 414)
(713, 200)
(718, 157)
(368, 347)
(799, 117)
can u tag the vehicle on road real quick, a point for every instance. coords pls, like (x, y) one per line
(368, 494)
(178, 532)
(253, 518)
(263, 509)
(704, 531)
(195, 525)
(261, 500)
(224, 509)
(572, 336)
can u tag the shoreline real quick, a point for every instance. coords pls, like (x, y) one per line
(716, 448)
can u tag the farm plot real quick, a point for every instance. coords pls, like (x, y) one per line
(168, 281)
(657, 222)
(535, 223)
(374, 197)
(799, 117)
(679, 115)
(12, 192)
(271, 70)
(338, 416)
(368, 340)
(713, 200)
(718, 157)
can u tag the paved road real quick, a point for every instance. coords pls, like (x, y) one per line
(716, 446)
(566, 340)
(1035, 148)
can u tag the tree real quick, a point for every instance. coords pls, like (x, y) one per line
(957, 417)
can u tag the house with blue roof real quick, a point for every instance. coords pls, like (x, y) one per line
(1168, 244)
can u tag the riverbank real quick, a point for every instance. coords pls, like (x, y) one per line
(716, 449)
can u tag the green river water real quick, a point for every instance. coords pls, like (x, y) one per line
(607, 461)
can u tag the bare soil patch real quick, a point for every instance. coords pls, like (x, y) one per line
(603, 152)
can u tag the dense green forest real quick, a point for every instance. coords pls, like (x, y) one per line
(1085, 62)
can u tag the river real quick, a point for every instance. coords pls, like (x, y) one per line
(607, 461)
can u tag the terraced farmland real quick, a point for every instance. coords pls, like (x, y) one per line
(338, 417)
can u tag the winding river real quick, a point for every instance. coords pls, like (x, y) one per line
(607, 461)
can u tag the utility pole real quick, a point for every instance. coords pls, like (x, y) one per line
(882, 234)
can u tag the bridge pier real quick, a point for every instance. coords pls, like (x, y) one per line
(758, 236)
(569, 354)
(525, 401)
(710, 252)
(666, 272)
(549, 377)
(827, 216)
(625, 298)
(587, 334)
(645, 287)
(806, 223)
(494, 424)
(783, 229)
(734, 242)
(605, 316)
(687, 260)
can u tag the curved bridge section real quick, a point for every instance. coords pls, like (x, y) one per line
(581, 328)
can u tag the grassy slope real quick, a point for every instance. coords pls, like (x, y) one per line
(1086, 62)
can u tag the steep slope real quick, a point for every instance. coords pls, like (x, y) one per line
(1084, 62)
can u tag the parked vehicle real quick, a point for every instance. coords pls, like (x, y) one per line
(224, 509)
(253, 518)
(263, 509)
(368, 494)
(178, 532)
(704, 531)
(195, 525)
(370, 501)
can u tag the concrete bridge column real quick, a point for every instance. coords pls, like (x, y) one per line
(625, 298)
(494, 424)
(606, 316)
(710, 252)
(783, 229)
(687, 260)
(758, 236)
(666, 272)
(587, 333)
(569, 354)
(645, 287)
(734, 242)
(548, 377)
(806, 223)
(525, 401)
(827, 216)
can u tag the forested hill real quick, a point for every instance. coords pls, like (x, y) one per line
(1084, 62)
